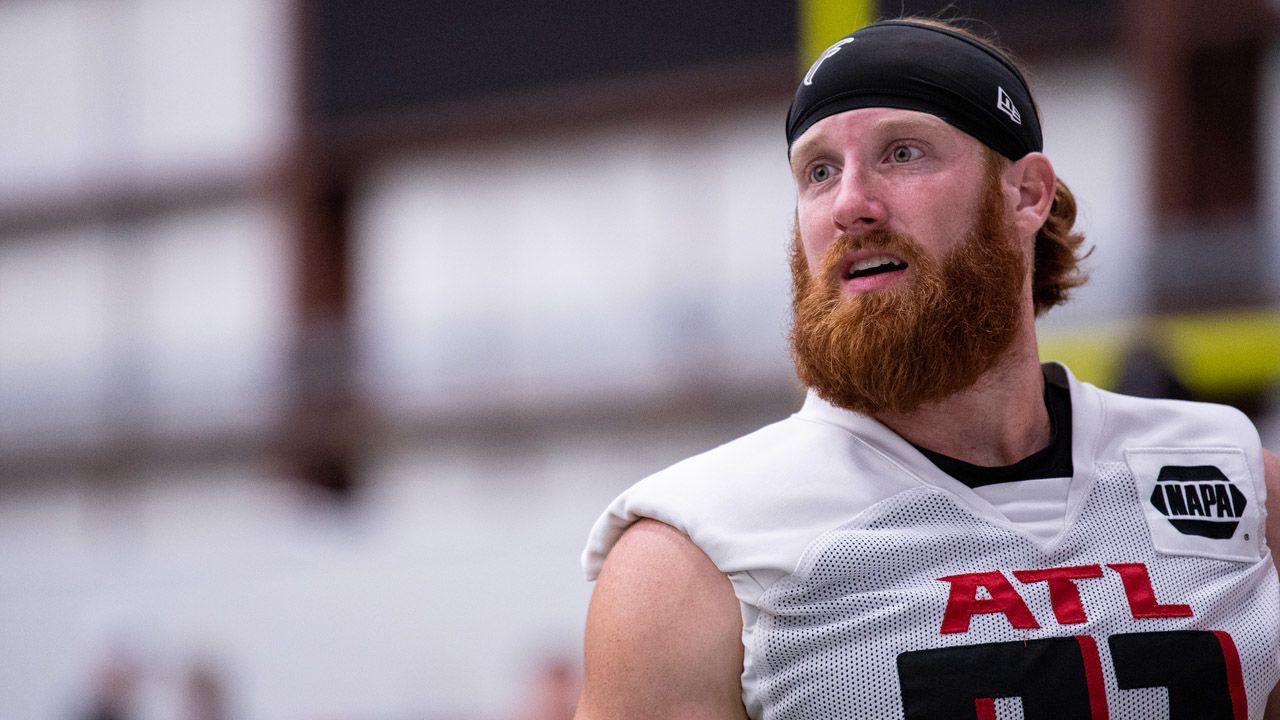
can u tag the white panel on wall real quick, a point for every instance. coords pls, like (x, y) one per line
(41, 127)
(90, 568)
(1094, 122)
(55, 331)
(616, 257)
(433, 595)
(96, 90)
(213, 312)
(182, 320)
(509, 263)
(753, 216)
(212, 81)
(108, 84)
(582, 266)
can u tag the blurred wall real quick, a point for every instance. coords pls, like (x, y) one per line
(539, 319)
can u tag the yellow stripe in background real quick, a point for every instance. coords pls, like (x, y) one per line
(1213, 354)
(1224, 353)
(822, 22)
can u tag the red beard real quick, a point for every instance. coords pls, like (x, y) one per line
(894, 350)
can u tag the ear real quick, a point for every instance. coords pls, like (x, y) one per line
(1033, 180)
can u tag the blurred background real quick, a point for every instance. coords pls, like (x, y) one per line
(328, 327)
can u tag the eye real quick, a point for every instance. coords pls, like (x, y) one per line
(905, 153)
(820, 173)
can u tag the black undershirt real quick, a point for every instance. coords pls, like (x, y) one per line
(1053, 461)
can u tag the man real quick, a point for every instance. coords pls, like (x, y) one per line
(946, 529)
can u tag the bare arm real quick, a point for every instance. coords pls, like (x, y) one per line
(664, 633)
(1271, 471)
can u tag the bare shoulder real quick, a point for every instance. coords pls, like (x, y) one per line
(1271, 476)
(664, 633)
(1271, 473)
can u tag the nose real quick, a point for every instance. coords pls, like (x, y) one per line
(858, 206)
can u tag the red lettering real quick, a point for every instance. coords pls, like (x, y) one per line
(963, 601)
(1063, 593)
(1235, 676)
(1093, 676)
(985, 708)
(1142, 599)
(1064, 596)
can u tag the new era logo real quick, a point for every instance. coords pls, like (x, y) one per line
(1198, 500)
(1005, 103)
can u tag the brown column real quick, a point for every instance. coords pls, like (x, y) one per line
(318, 438)
(1200, 68)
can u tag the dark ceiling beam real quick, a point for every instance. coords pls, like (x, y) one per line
(660, 96)
(128, 198)
(355, 434)
(325, 150)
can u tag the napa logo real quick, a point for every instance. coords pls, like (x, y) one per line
(1199, 500)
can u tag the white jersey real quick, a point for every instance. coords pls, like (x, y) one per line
(872, 585)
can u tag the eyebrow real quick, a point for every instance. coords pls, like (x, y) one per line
(898, 125)
(801, 147)
(887, 126)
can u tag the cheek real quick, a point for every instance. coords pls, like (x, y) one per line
(940, 212)
(813, 253)
(812, 241)
(946, 228)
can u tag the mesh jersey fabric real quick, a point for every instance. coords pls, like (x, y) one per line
(838, 538)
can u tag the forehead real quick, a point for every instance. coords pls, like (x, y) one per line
(874, 125)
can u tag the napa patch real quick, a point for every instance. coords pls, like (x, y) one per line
(1198, 501)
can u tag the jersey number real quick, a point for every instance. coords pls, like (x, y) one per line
(1061, 678)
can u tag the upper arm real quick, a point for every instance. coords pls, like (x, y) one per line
(1271, 471)
(664, 633)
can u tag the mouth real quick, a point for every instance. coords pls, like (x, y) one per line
(873, 266)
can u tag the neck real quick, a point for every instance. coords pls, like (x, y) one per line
(998, 420)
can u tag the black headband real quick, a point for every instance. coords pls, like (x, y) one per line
(925, 68)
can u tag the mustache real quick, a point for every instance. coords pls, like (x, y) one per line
(889, 242)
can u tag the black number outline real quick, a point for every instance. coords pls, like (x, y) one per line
(1061, 678)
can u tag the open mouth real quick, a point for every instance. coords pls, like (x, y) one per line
(877, 265)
